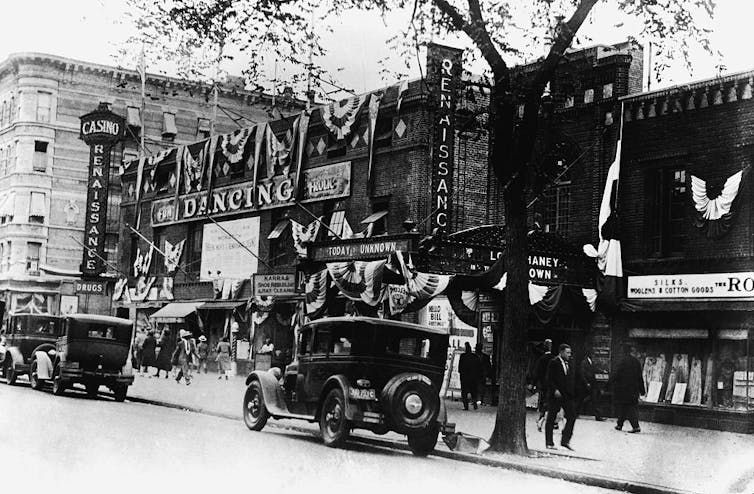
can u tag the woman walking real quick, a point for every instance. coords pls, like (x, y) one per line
(166, 352)
(202, 350)
(148, 358)
(223, 358)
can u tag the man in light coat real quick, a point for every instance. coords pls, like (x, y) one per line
(184, 356)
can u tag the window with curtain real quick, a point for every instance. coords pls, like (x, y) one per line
(44, 106)
(37, 209)
(556, 205)
(32, 257)
(40, 156)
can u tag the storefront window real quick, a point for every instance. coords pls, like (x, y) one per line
(695, 367)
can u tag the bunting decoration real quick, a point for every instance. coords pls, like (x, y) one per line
(421, 285)
(316, 292)
(139, 186)
(259, 139)
(166, 292)
(339, 117)
(301, 132)
(119, 288)
(348, 279)
(193, 170)
(233, 145)
(173, 255)
(402, 88)
(278, 151)
(714, 207)
(143, 261)
(374, 109)
(465, 304)
(302, 235)
(608, 251)
(143, 285)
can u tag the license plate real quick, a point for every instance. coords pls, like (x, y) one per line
(362, 394)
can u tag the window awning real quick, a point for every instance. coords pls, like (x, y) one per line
(175, 312)
(221, 304)
(373, 217)
(7, 205)
(37, 207)
(278, 230)
(168, 124)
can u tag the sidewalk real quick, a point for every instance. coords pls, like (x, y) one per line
(662, 458)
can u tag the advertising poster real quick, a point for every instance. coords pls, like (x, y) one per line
(439, 314)
(224, 256)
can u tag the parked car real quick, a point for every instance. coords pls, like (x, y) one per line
(92, 350)
(25, 336)
(358, 372)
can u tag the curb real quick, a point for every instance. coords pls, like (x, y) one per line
(593, 480)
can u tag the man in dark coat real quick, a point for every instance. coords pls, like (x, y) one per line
(470, 369)
(628, 385)
(588, 382)
(485, 373)
(561, 393)
(148, 358)
(540, 381)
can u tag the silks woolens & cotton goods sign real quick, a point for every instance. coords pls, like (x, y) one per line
(100, 129)
(444, 71)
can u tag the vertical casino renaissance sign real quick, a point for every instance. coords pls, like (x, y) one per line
(444, 69)
(100, 129)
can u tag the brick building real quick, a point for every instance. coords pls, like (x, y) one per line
(253, 183)
(43, 163)
(686, 213)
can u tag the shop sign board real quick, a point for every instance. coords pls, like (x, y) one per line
(366, 249)
(444, 69)
(100, 130)
(274, 285)
(710, 285)
(89, 287)
(226, 257)
(321, 183)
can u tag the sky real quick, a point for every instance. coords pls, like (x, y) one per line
(92, 30)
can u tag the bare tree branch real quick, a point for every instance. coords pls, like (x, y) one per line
(477, 31)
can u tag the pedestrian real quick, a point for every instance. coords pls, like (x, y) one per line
(223, 358)
(202, 352)
(268, 348)
(470, 369)
(148, 352)
(540, 381)
(561, 393)
(628, 385)
(485, 374)
(588, 380)
(139, 339)
(165, 354)
(184, 355)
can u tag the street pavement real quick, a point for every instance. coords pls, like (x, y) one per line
(77, 444)
(672, 457)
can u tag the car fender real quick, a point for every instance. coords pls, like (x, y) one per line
(340, 381)
(272, 392)
(44, 365)
(15, 355)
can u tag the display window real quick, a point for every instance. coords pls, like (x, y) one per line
(705, 368)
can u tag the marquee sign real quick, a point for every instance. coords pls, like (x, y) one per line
(444, 70)
(360, 250)
(100, 129)
(324, 182)
(709, 285)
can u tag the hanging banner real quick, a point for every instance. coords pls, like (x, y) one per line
(100, 129)
(444, 69)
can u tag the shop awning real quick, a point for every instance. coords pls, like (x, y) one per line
(175, 312)
(221, 304)
(676, 305)
(374, 217)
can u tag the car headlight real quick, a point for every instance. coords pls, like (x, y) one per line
(413, 403)
(51, 353)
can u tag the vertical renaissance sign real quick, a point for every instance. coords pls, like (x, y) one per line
(100, 129)
(444, 69)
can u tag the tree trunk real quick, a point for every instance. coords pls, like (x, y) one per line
(509, 434)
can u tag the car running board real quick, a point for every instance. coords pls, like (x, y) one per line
(294, 416)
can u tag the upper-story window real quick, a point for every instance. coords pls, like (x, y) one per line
(203, 128)
(40, 156)
(556, 205)
(133, 120)
(4, 154)
(607, 90)
(6, 258)
(589, 96)
(376, 223)
(32, 257)
(169, 130)
(44, 106)
(279, 238)
(37, 209)
(666, 211)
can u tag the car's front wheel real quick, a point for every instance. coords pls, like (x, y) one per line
(332, 419)
(423, 443)
(255, 413)
(9, 371)
(58, 383)
(34, 380)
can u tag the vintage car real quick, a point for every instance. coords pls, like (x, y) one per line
(26, 335)
(92, 350)
(358, 372)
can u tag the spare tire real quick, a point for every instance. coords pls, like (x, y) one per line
(410, 402)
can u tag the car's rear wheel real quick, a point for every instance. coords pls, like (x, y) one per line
(255, 412)
(120, 391)
(91, 389)
(34, 380)
(9, 371)
(58, 383)
(423, 443)
(332, 419)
